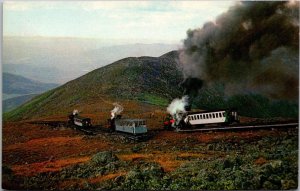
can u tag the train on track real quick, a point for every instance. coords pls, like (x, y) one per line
(202, 119)
(136, 128)
(77, 120)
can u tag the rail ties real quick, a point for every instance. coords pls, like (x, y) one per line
(50, 123)
(243, 127)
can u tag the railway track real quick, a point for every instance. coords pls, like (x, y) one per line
(99, 129)
(242, 127)
(94, 130)
(51, 123)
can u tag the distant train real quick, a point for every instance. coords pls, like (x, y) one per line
(79, 121)
(135, 127)
(201, 119)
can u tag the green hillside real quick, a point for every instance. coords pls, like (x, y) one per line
(152, 80)
(14, 102)
(147, 80)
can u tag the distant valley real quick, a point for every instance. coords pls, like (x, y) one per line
(18, 89)
(58, 60)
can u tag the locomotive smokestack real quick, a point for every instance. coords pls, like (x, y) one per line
(116, 111)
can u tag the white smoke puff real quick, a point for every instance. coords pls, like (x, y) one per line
(117, 110)
(75, 112)
(178, 105)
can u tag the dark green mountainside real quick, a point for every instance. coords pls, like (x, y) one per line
(152, 80)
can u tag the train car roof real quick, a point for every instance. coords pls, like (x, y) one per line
(210, 111)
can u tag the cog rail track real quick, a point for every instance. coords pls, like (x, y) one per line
(242, 127)
(94, 130)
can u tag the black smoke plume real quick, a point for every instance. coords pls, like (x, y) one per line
(252, 48)
(191, 88)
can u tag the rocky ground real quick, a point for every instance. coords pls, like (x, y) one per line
(41, 157)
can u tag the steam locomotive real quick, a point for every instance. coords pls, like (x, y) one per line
(201, 119)
(79, 121)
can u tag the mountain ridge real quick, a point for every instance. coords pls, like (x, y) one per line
(16, 84)
(143, 79)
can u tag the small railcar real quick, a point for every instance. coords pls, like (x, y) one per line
(211, 117)
(131, 126)
(204, 118)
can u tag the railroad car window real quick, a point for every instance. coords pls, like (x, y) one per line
(213, 115)
(209, 115)
(223, 114)
(220, 115)
(198, 117)
(206, 116)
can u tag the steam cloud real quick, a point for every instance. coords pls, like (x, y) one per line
(178, 107)
(117, 110)
(251, 48)
(75, 112)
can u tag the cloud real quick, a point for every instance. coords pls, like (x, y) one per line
(106, 18)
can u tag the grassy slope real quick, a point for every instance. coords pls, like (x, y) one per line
(14, 102)
(250, 105)
(146, 79)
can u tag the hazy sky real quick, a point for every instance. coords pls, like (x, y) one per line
(156, 21)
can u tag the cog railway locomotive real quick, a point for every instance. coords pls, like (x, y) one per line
(77, 120)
